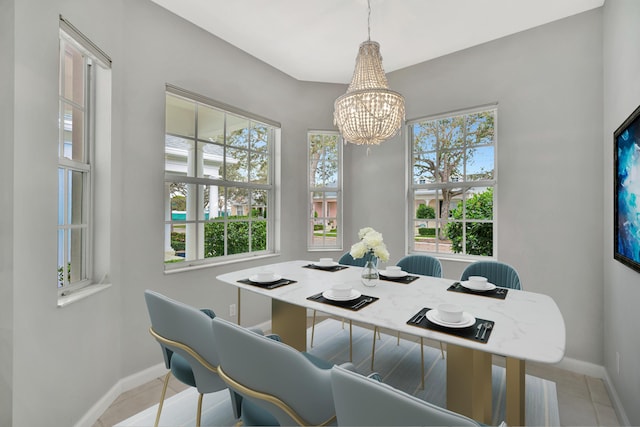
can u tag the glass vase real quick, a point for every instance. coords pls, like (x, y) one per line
(370, 273)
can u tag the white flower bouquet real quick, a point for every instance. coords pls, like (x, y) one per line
(370, 241)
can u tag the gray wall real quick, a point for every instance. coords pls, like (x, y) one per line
(6, 217)
(550, 170)
(621, 284)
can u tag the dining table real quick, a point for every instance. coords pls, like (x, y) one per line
(519, 325)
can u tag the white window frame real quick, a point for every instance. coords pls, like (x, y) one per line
(95, 161)
(195, 224)
(337, 190)
(413, 187)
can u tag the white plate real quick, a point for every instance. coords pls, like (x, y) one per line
(328, 294)
(393, 274)
(333, 264)
(274, 279)
(467, 320)
(467, 284)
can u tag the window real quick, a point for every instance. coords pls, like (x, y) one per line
(219, 182)
(452, 181)
(325, 190)
(83, 146)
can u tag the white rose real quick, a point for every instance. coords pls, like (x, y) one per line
(358, 250)
(373, 239)
(364, 231)
(382, 253)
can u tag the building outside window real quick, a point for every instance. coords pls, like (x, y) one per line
(452, 182)
(83, 135)
(219, 182)
(325, 190)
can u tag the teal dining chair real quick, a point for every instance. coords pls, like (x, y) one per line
(362, 401)
(345, 259)
(293, 386)
(498, 273)
(175, 326)
(189, 348)
(424, 265)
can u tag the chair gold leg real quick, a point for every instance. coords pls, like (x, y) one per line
(422, 362)
(164, 392)
(350, 341)
(199, 410)
(313, 327)
(373, 348)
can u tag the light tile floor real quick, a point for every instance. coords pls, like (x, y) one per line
(582, 400)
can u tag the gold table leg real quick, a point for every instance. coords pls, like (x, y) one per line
(515, 392)
(290, 322)
(469, 383)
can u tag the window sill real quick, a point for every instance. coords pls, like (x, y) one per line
(218, 264)
(81, 294)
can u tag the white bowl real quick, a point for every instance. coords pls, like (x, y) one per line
(451, 313)
(341, 290)
(265, 276)
(325, 262)
(394, 271)
(478, 281)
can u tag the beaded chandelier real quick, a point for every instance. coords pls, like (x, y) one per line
(369, 113)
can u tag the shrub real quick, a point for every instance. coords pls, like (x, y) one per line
(425, 212)
(177, 241)
(479, 234)
(427, 232)
(237, 237)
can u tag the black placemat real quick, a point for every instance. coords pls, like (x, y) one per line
(500, 293)
(473, 332)
(404, 279)
(319, 267)
(270, 285)
(355, 304)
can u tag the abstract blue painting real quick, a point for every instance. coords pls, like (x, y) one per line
(627, 191)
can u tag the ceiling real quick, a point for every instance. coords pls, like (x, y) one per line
(317, 40)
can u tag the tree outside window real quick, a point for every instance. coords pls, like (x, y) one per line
(452, 181)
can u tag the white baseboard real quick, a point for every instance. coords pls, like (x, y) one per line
(124, 384)
(581, 367)
(615, 400)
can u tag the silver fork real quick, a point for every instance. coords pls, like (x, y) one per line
(486, 328)
(361, 303)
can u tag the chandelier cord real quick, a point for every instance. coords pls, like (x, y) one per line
(369, 21)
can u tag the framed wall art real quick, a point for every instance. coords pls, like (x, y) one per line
(626, 191)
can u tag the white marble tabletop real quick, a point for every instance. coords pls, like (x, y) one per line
(528, 326)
